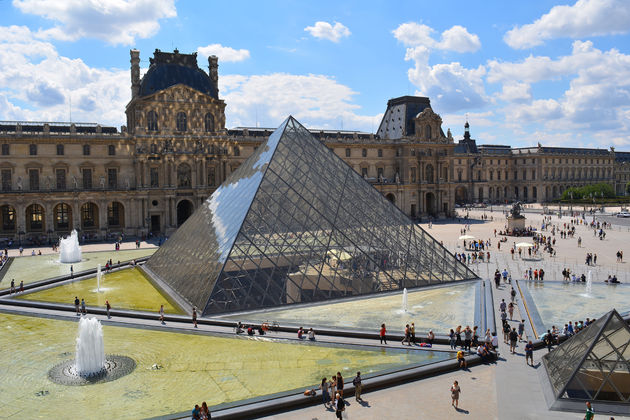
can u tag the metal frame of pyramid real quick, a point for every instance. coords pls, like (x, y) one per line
(593, 365)
(295, 223)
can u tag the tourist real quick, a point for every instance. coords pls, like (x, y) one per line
(467, 338)
(513, 340)
(412, 331)
(482, 352)
(511, 309)
(475, 337)
(407, 336)
(333, 385)
(340, 405)
(83, 310)
(21, 286)
(590, 414)
(162, 314)
(503, 305)
(108, 307)
(462, 360)
(77, 302)
(339, 383)
(12, 287)
(311, 334)
(71, 271)
(455, 391)
(451, 339)
(357, 387)
(196, 413)
(548, 340)
(529, 353)
(382, 333)
(513, 295)
(300, 333)
(487, 339)
(521, 329)
(458, 336)
(205, 412)
(325, 396)
(506, 332)
(430, 337)
(194, 316)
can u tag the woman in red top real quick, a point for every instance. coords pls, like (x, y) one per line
(382, 334)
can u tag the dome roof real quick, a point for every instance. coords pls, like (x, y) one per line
(161, 76)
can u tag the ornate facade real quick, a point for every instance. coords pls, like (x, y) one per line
(150, 175)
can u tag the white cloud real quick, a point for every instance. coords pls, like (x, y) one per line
(37, 83)
(451, 86)
(457, 38)
(584, 18)
(324, 30)
(315, 100)
(516, 92)
(225, 54)
(113, 21)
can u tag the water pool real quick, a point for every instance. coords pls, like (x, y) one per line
(439, 309)
(195, 368)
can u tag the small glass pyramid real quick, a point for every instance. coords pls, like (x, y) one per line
(594, 364)
(295, 223)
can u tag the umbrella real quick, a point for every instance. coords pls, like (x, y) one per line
(466, 237)
(524, 245)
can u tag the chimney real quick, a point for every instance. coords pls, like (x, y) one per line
(135, 73)
(213, 71)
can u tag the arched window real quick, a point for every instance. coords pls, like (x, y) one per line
(62, 216)
(181, 121)
(152, 121)
(34, 218)
(7, 213)
(209, 122)
(89, 216)
(183, 175)
(427, 132)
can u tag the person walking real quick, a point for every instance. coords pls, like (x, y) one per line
(340, 405)
(77, 302)
(529, 353)
(12, 286)
(357, 387)
(382, 335)
(194, 316)
(108, 307)
(521, 329)
(590, 414)
(455, 391)
(21, 286)
(162, 314)
(511, 310)
(83, 310)
(513, 340)
(513, 294)
(407, 336)
(412, 332)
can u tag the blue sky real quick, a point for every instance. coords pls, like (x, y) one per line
(543, 71)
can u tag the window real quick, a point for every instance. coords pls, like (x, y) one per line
(60, 175)
(87, 178)
(209, 122)
(524, 175)
(5, 149)
(115, 213)
(427, 132)
(347, 152)
(60, 150)
(34, 217)
(88, 215)
(86, 150)
(459, 175)
(181, 121)
(211, 176)
(8, 218)
(32, 149)
(112, 178)
(499, 175)
(111, 150)
(364, 152)
(379, 173)
(533, 174)
(6, 180)
(152, 121)
(155, 177)
(413, 174)
(380, 152)
(33, 179)
(62, 216)
(491, 175)
(364, 172)
(429, 174)
(237, 151)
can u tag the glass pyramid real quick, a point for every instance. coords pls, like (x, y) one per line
(594, 364)
(295, 223)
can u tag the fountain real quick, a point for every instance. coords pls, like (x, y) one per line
(69, 250)
(91, 365)
(90, 351)
(589, 282)
(404, 302)
(99, 276)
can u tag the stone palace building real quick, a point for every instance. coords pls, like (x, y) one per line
(149, 176)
